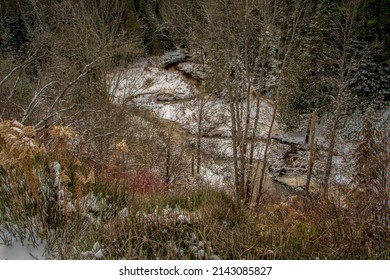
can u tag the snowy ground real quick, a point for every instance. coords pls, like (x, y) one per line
(142, 81)
(172, 96)
(12, 248)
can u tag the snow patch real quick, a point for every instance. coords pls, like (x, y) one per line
(11, 248)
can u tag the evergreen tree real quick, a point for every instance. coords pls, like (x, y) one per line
(15, 17)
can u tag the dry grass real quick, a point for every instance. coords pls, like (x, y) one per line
(98, 217)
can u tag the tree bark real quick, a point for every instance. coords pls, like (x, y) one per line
(311, 157)
(199, 137)
(329, 156)
(168, 165)
(265, 161)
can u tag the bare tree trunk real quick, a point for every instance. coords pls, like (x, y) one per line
(200, 120)
(311, 157)
(308, 130)
(235, 144)
(199, 137)
(329, 156)
(233, 99)
(168, 165)
(248, 78)
(265, 161)
(244, 146)
(240, 141)
(251, 177)
(192, 164)
(345, 60)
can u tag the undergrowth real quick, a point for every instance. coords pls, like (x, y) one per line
(53, 195)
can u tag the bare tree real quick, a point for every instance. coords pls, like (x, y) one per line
(287, 46)
(239, 33)
(345, 57)
(75, 44)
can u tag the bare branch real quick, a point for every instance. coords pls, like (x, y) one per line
(24, 64)
(44, 120)
(102, 135)
(16, 105)
(87, 68)
(35, 101)
(10, 96)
